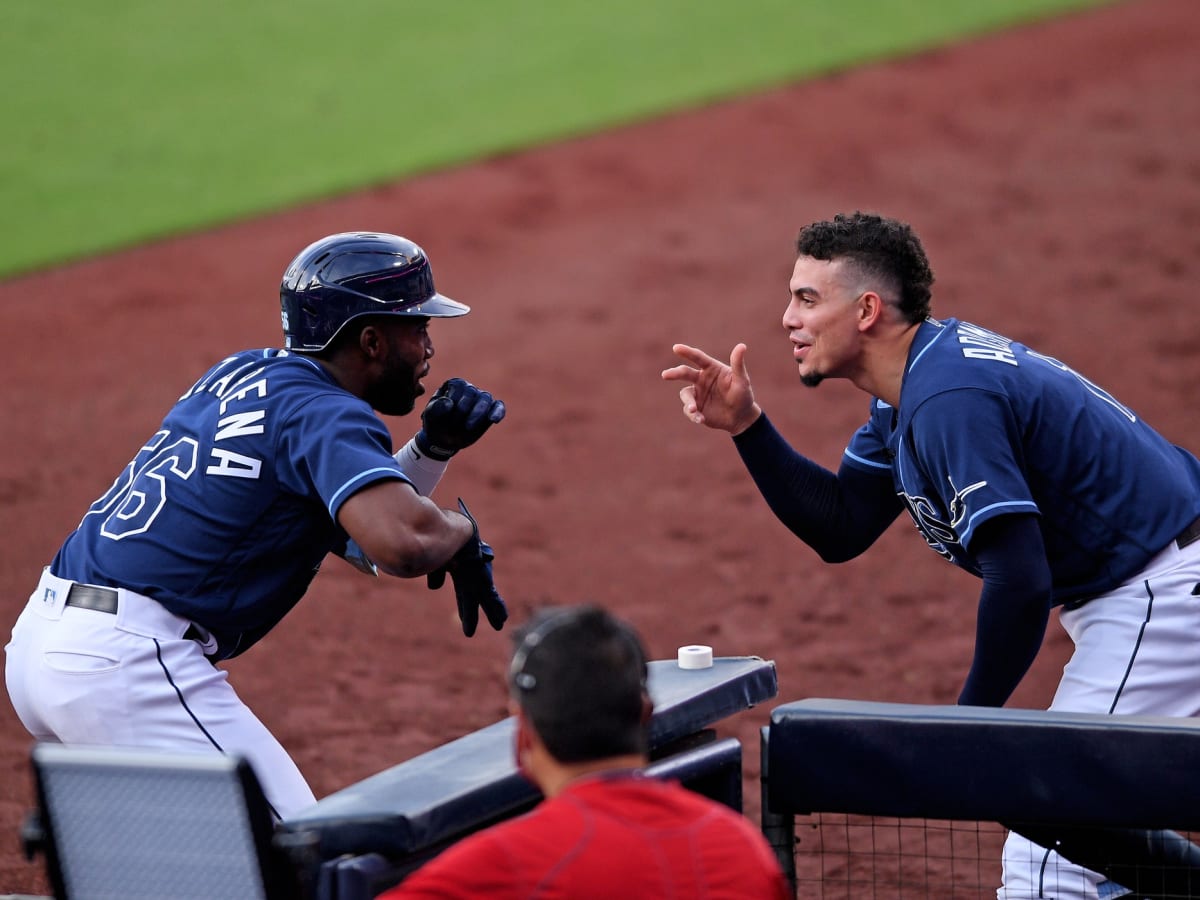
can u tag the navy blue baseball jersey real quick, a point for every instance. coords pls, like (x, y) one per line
(987, 426)
(226, 513)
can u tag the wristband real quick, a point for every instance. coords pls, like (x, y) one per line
(427, 448)
(423, 471)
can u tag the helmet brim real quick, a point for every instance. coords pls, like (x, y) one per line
(438, 306)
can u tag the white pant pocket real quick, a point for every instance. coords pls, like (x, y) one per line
(76, 663)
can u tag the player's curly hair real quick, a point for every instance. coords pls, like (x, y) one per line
(879, 248)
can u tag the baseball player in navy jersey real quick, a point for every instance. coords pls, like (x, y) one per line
(270, 462)
(1012, 465)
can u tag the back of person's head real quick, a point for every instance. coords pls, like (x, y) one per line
(878, 248)
(579, 676)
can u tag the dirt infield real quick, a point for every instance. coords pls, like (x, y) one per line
(1053, 172)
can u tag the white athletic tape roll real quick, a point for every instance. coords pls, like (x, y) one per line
(695, 656)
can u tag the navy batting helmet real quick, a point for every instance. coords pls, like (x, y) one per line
(357, 273)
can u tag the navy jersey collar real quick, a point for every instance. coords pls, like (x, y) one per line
(928, 332)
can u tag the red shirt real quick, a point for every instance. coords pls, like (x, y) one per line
(605, 837)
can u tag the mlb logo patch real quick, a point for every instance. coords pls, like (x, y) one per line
(49, 595)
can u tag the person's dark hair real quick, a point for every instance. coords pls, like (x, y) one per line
(345, 336)
(349, 333)
(877, 247)
(579, 674)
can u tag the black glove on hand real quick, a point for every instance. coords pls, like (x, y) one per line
(455, 417)
(471, 571)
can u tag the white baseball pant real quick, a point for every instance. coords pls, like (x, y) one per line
(131, 679)
(1137, 652)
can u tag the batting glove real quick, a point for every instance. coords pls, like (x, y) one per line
(455, 417)
(470, 570)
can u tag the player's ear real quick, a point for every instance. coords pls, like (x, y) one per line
(524, 743)
(371, 340)
(870, 309)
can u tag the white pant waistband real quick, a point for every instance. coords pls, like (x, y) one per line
(136, 613)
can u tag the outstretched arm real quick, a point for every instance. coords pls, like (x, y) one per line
(839, 515)
(403, 533)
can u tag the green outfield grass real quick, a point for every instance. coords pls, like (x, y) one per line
(133, 119)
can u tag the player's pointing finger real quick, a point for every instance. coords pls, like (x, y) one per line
(695, 356)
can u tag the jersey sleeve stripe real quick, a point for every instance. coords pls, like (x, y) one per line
(358, 481)
(987, 512)
(870, 464)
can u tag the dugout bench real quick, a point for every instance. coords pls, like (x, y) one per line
(1111, 793)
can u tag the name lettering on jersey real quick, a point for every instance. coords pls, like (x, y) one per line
(240, 424)
(978, 343)
(210, 384)
(234, 465)
(237, 424)
(257, 388)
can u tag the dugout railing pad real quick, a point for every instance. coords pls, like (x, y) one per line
(949, 762)
(1103, 789)
(420, 805)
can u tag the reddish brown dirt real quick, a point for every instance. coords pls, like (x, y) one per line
(1053, 171)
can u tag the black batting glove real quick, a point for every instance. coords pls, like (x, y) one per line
(455, 417)
(470, 570)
